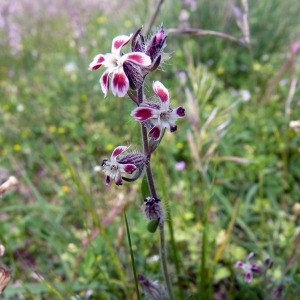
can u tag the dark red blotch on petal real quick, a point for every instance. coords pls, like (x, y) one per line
(180, 111)
(256, 268)
(248, 277)
(104, 79)
(119, 181)
(136, 58)
(142, 114)
(118, 151)
(120, 83)
(100, 60)
(173, 128)
(155, 133)
(96, 67)
(97, 64)
(118, 44)
(129, 168)
(239, 264)
(162, 94)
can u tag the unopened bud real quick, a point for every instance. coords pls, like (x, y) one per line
(134, 75)
(153, 210)
(156, 44)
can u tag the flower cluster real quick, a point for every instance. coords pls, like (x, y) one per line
(125, 74)
(128, 72)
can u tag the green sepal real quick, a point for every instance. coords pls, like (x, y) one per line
(144, 188)
(152, 225)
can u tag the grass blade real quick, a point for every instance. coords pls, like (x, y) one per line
(132, 258)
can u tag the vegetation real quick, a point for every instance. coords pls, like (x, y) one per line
(64, 230)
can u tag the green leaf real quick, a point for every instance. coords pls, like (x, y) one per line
(152, 225)
(144, 188)
(297, 279)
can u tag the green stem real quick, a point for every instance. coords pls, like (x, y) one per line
(152, 189)
(172, 237)
(132, 258)
(163, 258)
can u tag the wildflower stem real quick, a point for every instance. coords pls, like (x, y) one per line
(163, 259)
(147, 153)
(152, 189)
(202, 32)
(171, 230)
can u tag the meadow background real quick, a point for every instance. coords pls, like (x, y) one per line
(63, 229)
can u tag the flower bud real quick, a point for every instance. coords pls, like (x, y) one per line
(138, 41)
(153, 210)
(136, 159)
(134, 75)
(156, 44)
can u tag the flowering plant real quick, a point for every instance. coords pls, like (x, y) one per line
(128, 75)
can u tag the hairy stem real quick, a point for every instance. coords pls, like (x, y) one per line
(152, 189)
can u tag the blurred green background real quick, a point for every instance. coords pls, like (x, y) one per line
(64, 230)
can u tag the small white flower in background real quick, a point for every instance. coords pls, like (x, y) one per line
(97, 169)
(20, 107)
(295, 125)
(152, 259)
(2, 250)
(283, 82)
(265, 57)
(245, 95)
(88, 294)
(70, 67)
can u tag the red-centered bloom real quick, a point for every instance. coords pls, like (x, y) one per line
(114, 62)
(113, 167)
(162, 115)
(248, 268)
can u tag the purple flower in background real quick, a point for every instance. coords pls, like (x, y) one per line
(180, 166)
(114, 62)
(248, 268)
